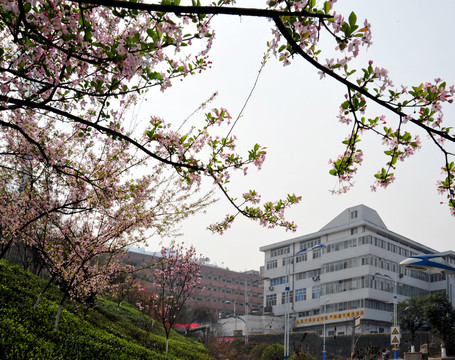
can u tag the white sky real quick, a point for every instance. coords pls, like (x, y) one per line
(293, 114)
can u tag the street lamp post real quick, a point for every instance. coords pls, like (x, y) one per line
(246, 309)
(247, 305)
(407, 308)
(323, 330)
(287, 299)
(235, 314)
(395, 317)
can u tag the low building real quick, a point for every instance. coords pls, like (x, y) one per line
(257, 324)
(352, 273)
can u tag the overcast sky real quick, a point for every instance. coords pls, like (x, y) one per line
(293, 114)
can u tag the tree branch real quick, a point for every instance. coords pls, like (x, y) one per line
(215, 10)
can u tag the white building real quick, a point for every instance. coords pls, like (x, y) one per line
(257, 324)
(353, 275)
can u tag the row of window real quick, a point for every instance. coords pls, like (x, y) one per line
(308, 244)
(308, 274)
(280, 251)
(223, 301)
(272, 264)
(382, 264)
(223, 279)
(314, 274)
(368, 239)
(334, 287)
(341, 245)
(373, 282)
(278, 281)
(352, 305)
(363, 240)
(287, 296)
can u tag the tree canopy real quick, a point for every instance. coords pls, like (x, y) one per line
(80, 182)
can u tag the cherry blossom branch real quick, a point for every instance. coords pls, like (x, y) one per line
(37, 217)
(35, 105)
(395, 109)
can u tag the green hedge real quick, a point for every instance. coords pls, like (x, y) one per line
(106, 333)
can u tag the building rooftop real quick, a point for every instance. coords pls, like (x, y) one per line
(365, 216)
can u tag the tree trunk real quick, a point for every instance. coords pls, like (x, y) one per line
(167, 345)
(57, 317)
(443, 350)
(353, 338)
(6, 248)
(42, 292)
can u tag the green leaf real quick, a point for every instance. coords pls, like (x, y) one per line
(27, 7)
(326, 7)
(282, 47)
(352, 19)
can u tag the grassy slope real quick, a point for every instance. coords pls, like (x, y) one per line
(105, 333)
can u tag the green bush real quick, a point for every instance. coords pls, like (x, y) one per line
(303, 356)
(273, 352)
(256, 352)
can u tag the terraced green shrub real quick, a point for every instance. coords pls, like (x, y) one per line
(105, 333)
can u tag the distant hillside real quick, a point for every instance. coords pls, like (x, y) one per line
(105, 333)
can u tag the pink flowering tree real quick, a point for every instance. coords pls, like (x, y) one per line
(174, 279)
(78, 67)
(83, 216)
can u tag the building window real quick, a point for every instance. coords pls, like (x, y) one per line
(301, 258)
(354, 214)
(278, 281)
(316, 292)
(300, 295)
(279, 251)
(316, 254)
(353, 231)
(272, 264)
(307, 244)
(308, 274)
(270, 300)
(286, 297)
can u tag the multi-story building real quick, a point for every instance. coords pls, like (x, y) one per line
(222, 289)
(352, 272)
